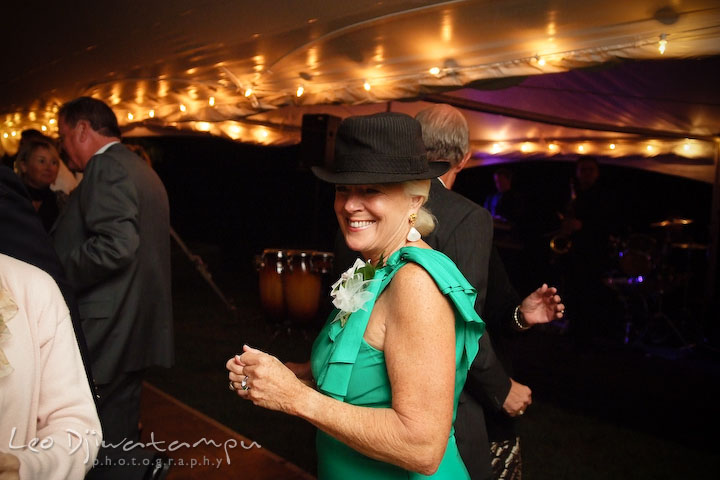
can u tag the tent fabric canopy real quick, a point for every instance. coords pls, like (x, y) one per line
(527, 73)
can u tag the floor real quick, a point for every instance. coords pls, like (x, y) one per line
(201, 448)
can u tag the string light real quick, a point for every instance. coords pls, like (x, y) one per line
(680, 146)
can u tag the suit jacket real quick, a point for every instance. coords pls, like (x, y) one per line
(464, 233)
(113, 238)
(22, 236)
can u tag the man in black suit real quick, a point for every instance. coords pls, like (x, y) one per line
(113, 239)
(464, 233)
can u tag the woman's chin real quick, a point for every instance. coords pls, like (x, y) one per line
(354, 244)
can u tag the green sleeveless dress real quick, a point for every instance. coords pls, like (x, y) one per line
(348, 369)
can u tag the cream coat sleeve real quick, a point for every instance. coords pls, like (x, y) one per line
(48, 419)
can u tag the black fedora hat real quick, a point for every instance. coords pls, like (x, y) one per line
(381, 148)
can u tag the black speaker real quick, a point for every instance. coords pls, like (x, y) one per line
(317, 144)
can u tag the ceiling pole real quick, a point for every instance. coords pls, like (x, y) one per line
(473, 105)
(712, 298)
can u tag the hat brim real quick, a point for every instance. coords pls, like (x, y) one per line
(435, 169)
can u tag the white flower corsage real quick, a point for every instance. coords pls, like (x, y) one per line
(350, 293)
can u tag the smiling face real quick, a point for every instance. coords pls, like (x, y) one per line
(374, 218)
(41, 168)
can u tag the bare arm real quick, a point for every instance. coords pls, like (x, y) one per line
(302, 371)
(420, 355)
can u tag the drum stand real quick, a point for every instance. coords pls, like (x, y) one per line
(634, 306)
(202, 270)
(659, 320)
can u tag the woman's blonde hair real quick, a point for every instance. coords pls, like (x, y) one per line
(425, 221)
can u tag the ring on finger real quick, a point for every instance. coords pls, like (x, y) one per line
(232, 387)
(244, 384)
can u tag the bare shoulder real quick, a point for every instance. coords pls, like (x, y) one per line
(411, 276)
(414, 294)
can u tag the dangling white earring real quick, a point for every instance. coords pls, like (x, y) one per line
(413, 235)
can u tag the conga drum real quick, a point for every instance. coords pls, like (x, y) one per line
(322, 262)
(302, 286)
(271, 268)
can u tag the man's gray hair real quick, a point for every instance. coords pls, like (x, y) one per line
(445, 133)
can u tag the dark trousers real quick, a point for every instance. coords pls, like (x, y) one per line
(119, 411)
(471, 438)
(119, 407)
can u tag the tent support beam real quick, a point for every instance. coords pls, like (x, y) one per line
(712, 296)
(552, 120)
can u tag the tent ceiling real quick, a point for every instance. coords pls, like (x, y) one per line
(188, 65)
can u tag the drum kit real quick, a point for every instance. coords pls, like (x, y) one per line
(653, 276)
(291, 285)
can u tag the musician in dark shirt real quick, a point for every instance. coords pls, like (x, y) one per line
(506, 204)
(588, 224)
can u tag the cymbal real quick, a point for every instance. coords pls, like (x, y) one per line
(690, 246)
(672, 222)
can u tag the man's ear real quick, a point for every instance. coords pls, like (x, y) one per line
(461, 164)
(83, 129)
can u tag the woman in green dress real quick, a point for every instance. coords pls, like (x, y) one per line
(387, 369)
